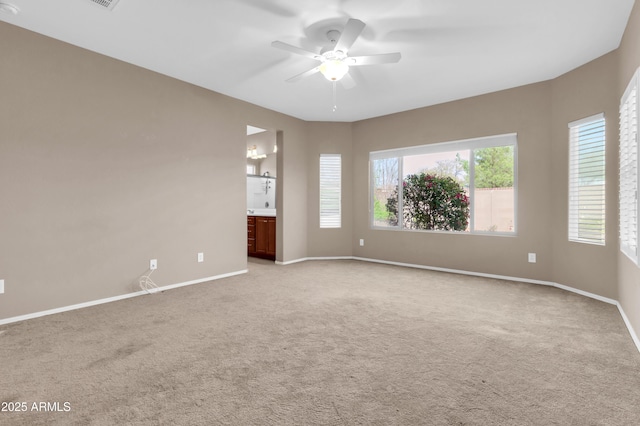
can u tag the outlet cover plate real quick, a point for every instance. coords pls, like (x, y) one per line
(361, 242)
(532, 258)
(1, 286)
(153, 264)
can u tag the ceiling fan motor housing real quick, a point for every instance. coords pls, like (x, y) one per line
(333, 36)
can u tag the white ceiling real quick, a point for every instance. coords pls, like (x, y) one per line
(450, 49)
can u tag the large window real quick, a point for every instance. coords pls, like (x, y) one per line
(628, 197)
(467, 186)
(587, 180)
(330, 190)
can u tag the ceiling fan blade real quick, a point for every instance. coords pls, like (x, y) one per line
(271, 7)
(349, 35)
(348, 82)
(303, 75)
(294, 49)
(384, 58)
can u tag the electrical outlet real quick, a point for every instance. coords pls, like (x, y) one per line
(200, 257)
(532, 258)
(1, 286)
(153, 264)
(361, 242)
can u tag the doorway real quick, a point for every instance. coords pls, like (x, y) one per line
(262, 188)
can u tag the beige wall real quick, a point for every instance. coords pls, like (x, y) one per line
(329, 138)
(586, 91)
(628, 272)
(104, 165)
(524, 111)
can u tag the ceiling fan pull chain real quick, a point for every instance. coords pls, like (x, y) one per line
(335, 103)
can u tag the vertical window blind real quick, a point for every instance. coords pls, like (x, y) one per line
(628, 196)
(330, 190)
(587, 180)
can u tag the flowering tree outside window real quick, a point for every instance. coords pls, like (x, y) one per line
(431, 202)
(467, 185)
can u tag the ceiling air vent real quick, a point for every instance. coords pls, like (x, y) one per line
(107, 4)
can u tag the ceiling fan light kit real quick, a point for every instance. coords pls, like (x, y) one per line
(334, 70)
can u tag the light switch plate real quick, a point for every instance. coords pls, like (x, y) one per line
(1, 286)
(200, 257)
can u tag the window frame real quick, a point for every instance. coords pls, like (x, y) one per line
(507, 139)
(574, 186)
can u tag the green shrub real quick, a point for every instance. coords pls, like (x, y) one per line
(431, 202)
(379, 212)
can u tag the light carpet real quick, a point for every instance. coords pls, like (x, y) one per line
(327, 343)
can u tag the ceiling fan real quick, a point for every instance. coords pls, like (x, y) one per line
(335, 60)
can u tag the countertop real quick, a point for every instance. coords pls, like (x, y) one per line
(261, 212)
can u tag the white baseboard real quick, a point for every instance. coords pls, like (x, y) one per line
(304, 259)
(587, 294)
(115, 298)
(634, 336)
(457, 271)
(290, 262)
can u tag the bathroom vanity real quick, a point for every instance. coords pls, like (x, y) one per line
(261, 216)
(261, 234)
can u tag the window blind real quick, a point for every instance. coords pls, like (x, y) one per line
(330, 190)
(587, 180)
(628, 195)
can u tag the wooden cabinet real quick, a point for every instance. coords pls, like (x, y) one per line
(251, 235)
(261, 237)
